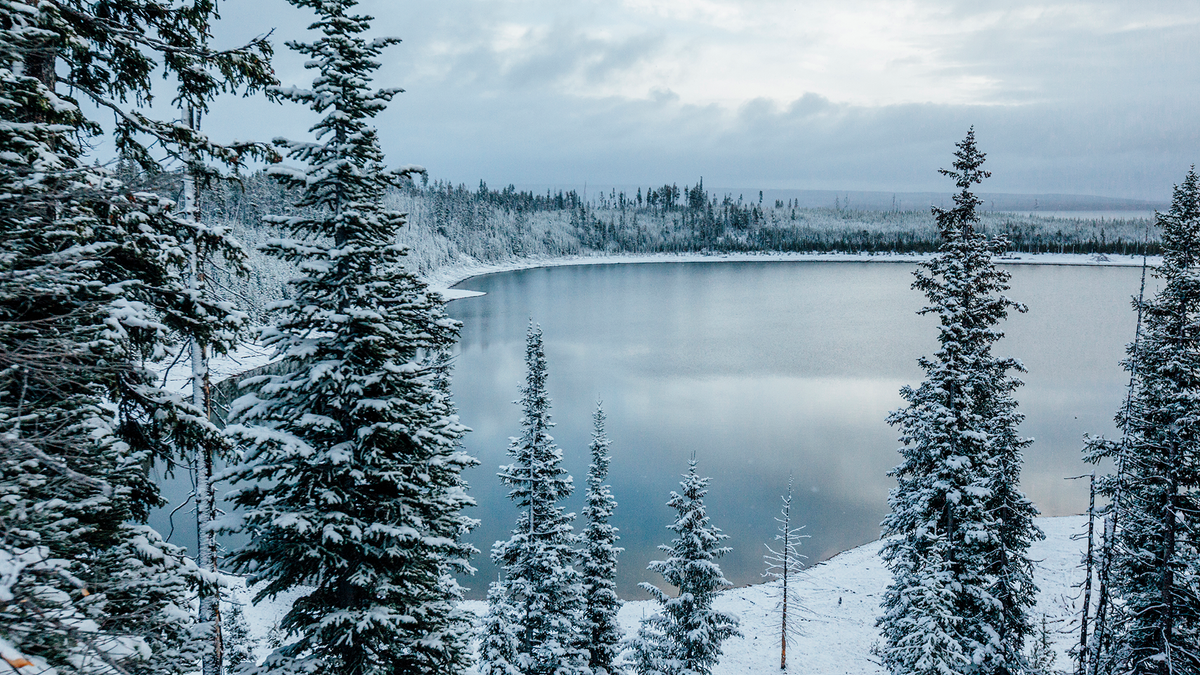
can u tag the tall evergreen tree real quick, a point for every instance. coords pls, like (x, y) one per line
(684, 637)
(541, 591)
(89, 291)
(1155, 492)
(602, 634)
(351, 483)
(962, 581)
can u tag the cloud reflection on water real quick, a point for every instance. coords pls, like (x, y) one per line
(764, 369)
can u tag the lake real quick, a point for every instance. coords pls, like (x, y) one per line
(765, 370)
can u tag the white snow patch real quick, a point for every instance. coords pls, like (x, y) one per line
(840, 597)
(247, 356)
(449, 294)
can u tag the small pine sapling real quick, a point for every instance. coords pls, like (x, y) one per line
(499, 642)
(236, 640)
(1041, 656)
(685, 634)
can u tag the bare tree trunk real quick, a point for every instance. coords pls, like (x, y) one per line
(1110, 523)
(206, 554)
(783, 632)
(1166, 563)
(1089, 565)
(1101, 635)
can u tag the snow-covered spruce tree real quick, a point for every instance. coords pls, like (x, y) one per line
(89, 290)
(962, 583)
(236, 641)
(602, 635)
(1155, 494)
(498, 640)
(785, 564)
(684, 637)
(540, 588)
(351, 487)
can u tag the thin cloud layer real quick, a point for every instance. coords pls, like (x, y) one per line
(1084, 97)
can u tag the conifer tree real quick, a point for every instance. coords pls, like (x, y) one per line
(601, 633)
(236, 640)
(1154, 575)
(962, 582)
(685, 635)
(499, 642)
(351, 483)
(541, 590)
(89, 291)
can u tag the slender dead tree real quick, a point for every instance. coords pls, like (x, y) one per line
(785, 564)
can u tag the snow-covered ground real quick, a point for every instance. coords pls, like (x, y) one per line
(444, 278)
(841, 600)
(177, 376)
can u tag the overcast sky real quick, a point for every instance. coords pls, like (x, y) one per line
(1099, 97)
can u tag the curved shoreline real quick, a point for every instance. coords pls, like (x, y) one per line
(444, 279)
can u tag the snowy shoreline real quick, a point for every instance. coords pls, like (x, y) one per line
(250, 355)
(840, 599)
(445, 278)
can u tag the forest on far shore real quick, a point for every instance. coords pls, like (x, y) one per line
(452, 224)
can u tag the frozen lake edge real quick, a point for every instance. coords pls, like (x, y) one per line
(443, 279)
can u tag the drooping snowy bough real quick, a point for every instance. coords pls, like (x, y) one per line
(90, 294)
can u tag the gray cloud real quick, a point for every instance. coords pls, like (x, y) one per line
(1096, 98)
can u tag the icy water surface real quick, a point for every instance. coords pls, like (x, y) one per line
(764, 370)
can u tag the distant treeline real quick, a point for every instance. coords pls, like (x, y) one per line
(452, 224)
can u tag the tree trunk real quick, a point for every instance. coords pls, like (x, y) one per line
(1166, 569)
(1089, 565)
(206, 554)
(40, 64)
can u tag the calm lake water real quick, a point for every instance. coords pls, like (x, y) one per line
(765, 369)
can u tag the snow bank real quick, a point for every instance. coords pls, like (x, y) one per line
(840, 599)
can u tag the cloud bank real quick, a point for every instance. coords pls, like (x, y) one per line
(1069, 97)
